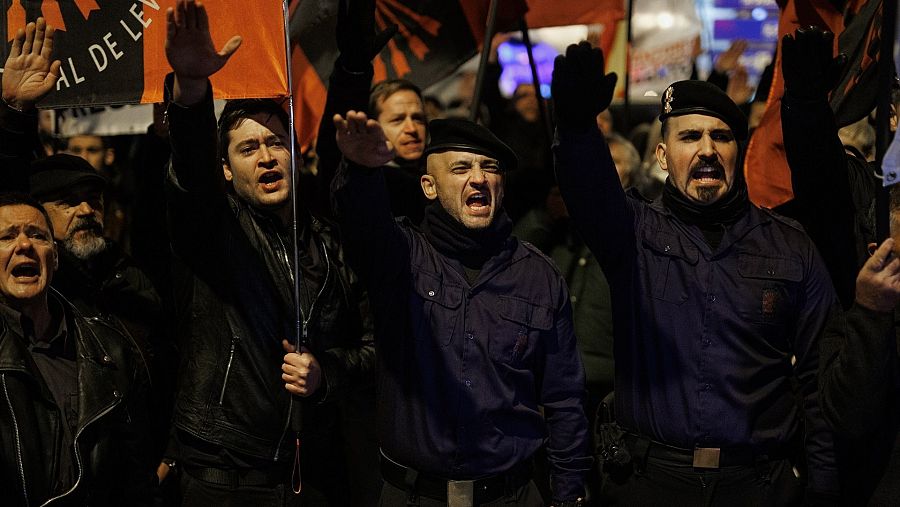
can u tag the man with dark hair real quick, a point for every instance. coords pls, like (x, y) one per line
(718, 307)
(476, 347)
(73, 389)
(242, 377)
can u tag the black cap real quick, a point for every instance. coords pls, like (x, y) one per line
(454, 134)
(56, 175)
(700, 97)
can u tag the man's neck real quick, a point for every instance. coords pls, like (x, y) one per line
(37, 310)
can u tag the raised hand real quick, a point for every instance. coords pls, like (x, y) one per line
(190, 49)
(810, 71)
(357, 39)
(729, 60)
(29, 74)
(362, 140)
(878, 282)
(581, 89)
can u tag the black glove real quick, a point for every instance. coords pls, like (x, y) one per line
(810, 72)
(580, 88)
(357, 39)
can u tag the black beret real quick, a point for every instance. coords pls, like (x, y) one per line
(454, 134)
(700, 97)
(54, 176)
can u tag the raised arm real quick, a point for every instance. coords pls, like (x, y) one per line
(28, 76)
(585, 170)
(348, 87)
(376, 247)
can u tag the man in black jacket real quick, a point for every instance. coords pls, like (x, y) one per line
(73, 389)
(237, 389)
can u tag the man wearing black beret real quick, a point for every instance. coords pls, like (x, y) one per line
(718, 308)
(474, 332)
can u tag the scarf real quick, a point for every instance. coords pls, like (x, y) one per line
(470, 246)
(711, 218)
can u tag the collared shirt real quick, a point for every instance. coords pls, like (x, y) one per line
(466, 368)
(708, 342)
(55, 360)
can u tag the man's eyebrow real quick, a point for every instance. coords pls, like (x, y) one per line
(688, 131)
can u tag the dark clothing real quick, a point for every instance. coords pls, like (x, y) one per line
(705, 338)
(18, 146)
(834, 193)
(239, 294)
(109, 460)
(199, 493)
(350, 91)
(662, 483)
(527, 495)
(859, 381)
(464, 368)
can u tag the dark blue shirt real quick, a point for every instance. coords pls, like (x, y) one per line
(708, 341)
(466, 368)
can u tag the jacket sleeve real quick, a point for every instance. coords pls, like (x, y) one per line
(856, 358)
(353, 365)
(821, 183)
(346, 91)
(562, 396)
(594, 197)
(195, 192)
(18, 142)
(376, 247)
(818, 301)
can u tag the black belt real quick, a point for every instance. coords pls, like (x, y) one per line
(236, 478)
(485, 489)
(701, 457)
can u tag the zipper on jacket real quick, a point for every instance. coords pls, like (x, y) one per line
(78, 451)
(304, 327)
(19, 462)
(227, 369)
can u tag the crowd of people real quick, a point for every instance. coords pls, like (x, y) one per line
(443, 312)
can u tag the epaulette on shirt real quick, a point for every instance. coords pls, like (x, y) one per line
(636, 194)
(790, 222)
(535, 250)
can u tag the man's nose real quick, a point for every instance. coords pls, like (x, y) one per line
(85, 208)
(409, 126)
(478, 176)
(265, 155)
(707, 147)
(23, 243)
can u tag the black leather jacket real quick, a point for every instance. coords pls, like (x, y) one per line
(112, 463)
(238, 296)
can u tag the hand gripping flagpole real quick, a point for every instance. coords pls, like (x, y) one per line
(296, 408)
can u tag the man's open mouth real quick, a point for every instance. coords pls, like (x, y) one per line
(26, 271)
(478, 201)
(270, 179)
(708, 173)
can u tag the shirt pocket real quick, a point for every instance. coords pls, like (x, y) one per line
(771, 288)
(668, 256)
(436, 308)
(519, 330)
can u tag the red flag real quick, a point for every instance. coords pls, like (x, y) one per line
(114, 53)
(766, 169)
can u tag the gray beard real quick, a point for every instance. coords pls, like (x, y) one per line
(86, 248)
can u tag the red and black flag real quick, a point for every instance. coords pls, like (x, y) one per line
(857, 31)
(112, 51)
(434, 38)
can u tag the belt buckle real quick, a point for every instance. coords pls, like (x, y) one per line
(460, 493)
(706, 457)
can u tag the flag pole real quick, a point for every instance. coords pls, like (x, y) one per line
(542, 104)
(299, 338)
(882, 115)
(482, 66)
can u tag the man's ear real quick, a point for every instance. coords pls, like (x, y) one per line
(428, 186)
(661, 156)
(226, 169)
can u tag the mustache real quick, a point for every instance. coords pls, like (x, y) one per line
(708, 164)
(88, 224)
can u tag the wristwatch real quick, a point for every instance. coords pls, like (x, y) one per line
(578, 502)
